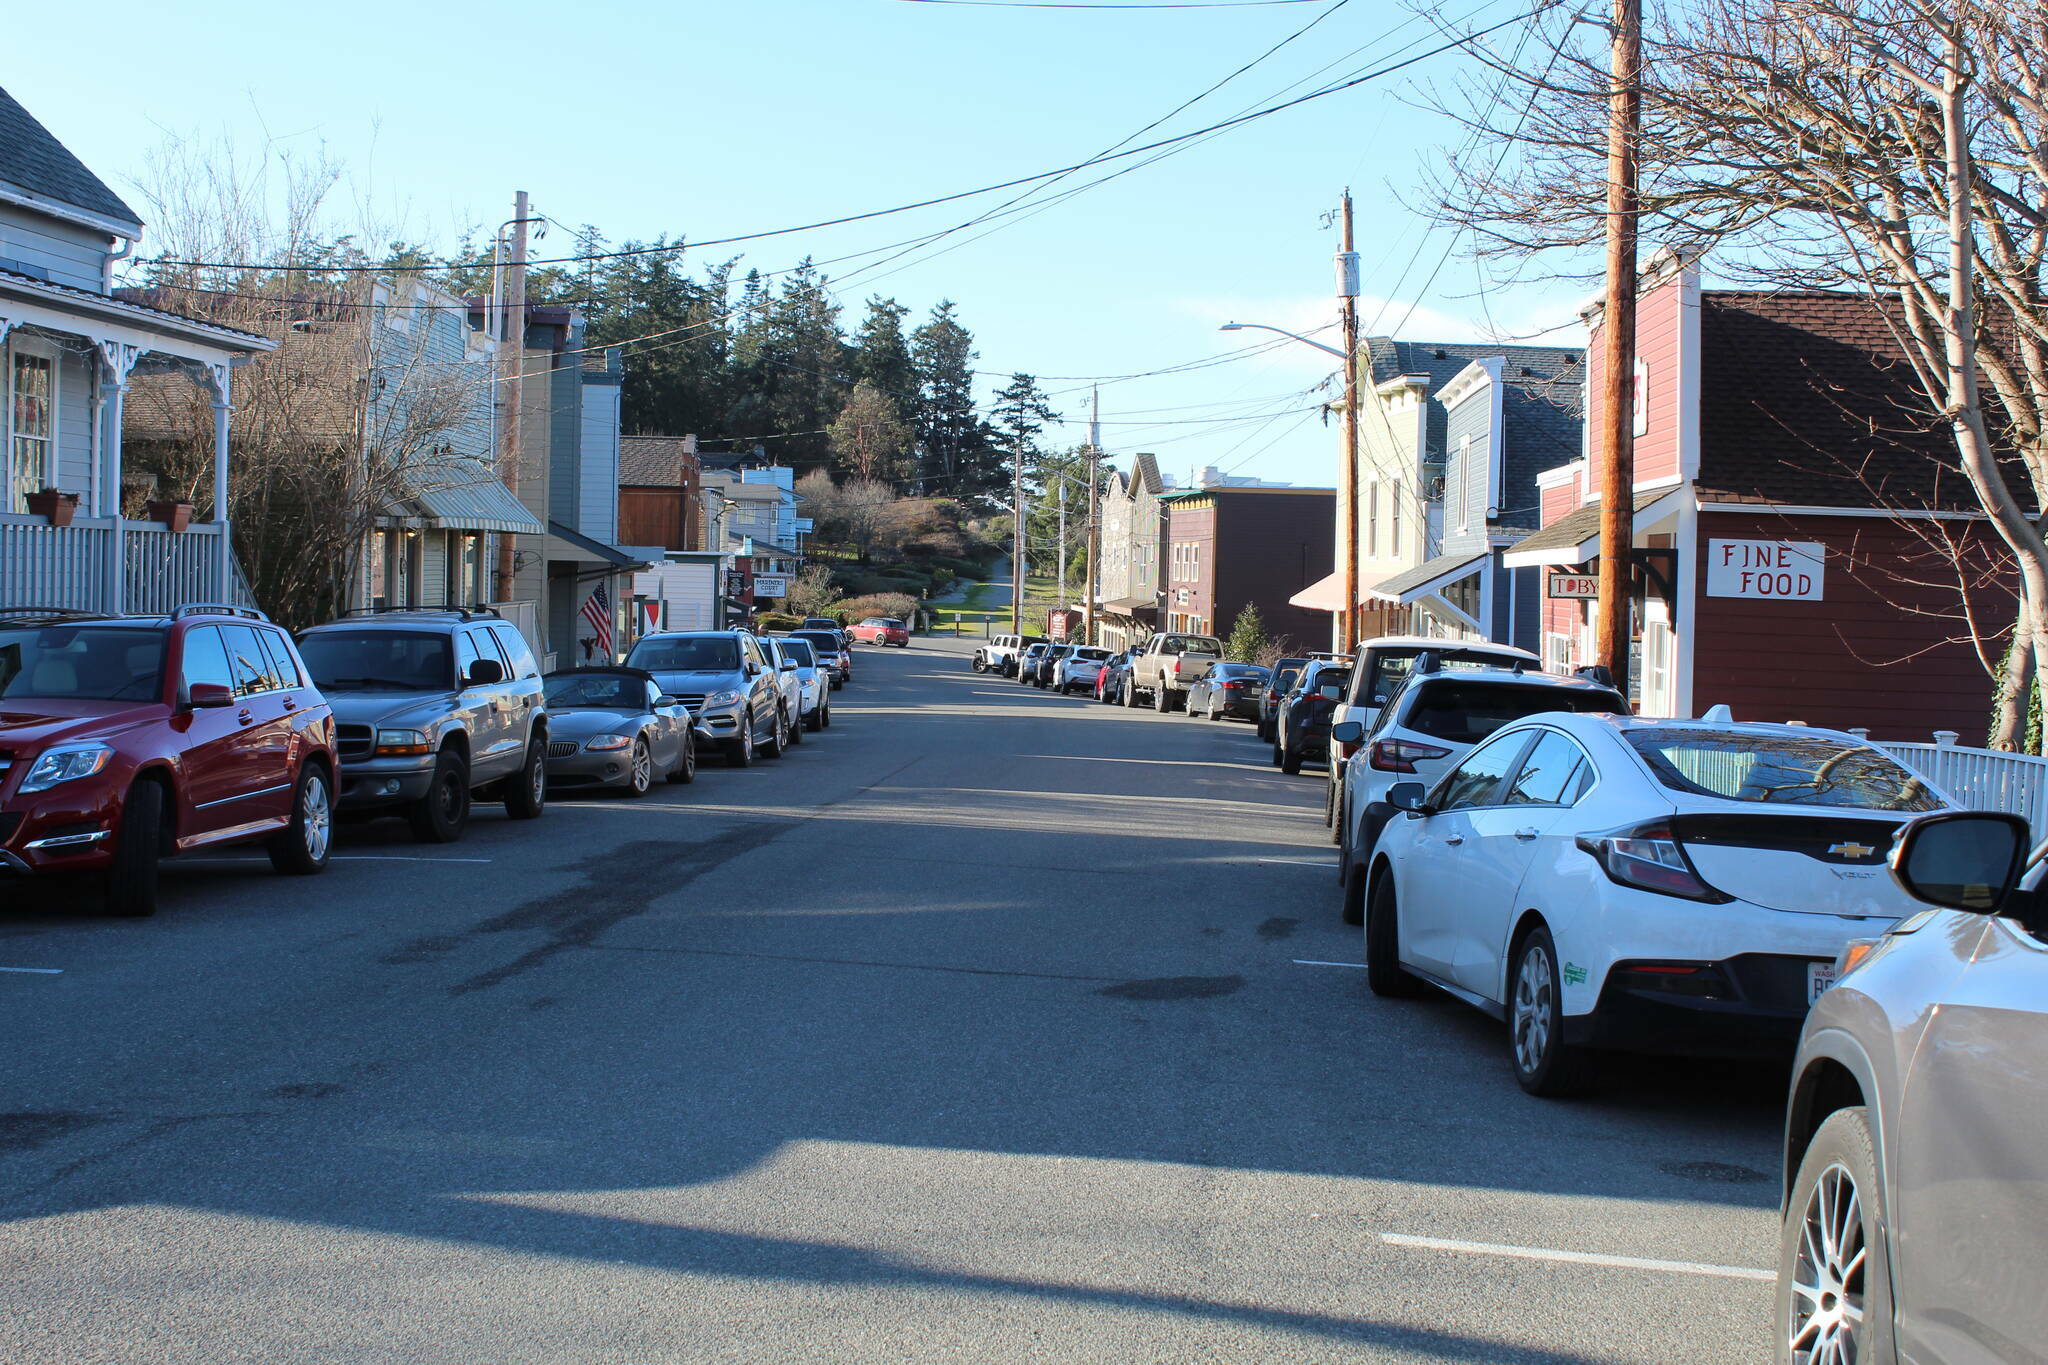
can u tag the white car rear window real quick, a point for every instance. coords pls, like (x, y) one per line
(1795, 770)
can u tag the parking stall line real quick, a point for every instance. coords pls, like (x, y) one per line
(337, 858)
(35, 971)
(1311, 962)
(1295, 862)
(1727, 1272)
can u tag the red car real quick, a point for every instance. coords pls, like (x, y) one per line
(882, 630)
(126, 738)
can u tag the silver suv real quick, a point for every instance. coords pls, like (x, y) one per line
(431, 706)
(1916, 1193)
(729, 684)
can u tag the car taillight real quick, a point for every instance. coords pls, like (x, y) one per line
(1649, 858)
(1231, 686)
(1401, 755)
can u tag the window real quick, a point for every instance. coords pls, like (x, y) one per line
(1461, 476)
(31, 422)
(1557, 652)
(283, 665)
(1475, 781)
(250, 662)
(519, 659)
(378, 660)
(1793, 771)
(1394, 519)
(206, 659)
(1467, 712)
(1372, 519)
(469, 649)
(1554, 774)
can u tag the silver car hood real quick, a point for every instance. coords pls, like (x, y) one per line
(584, 721)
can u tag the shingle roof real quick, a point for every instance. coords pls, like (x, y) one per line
(1807, 399)
(1578, 526)
(33, 161)
(653, 461)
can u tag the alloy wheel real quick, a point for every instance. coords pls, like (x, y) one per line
(1827, 1281)
(316, 818)
(1534, 1008)
(643, 766)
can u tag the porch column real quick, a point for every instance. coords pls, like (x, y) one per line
(119, 361)
(221, 408)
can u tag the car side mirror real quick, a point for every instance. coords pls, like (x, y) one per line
(789, 665)
(1411, 797)
(666, 700)
(1348, 731)
(1379, 699)
(209, 696)
(484, 672)
(1961, 860)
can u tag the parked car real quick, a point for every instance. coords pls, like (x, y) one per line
(1228, 689)
(1047, 664)
(1301, 727)
(1167, 666)
(615, 727)
(882, 630)
(1914, 1166)
(1001, 653)
(789, 684)
(1109, 683)
(1026, 669)
(1379, 666)
(1601, 882)
(832, 653)
(815, 691)
(1433, 720)
(432, 708)
(1079, 670)
(723, 677)
(1281, 681)
(124, 739)
(831, 624)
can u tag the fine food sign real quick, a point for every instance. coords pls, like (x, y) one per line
(1786, 570)
(1582, 587)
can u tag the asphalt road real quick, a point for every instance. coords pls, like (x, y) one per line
(985, 1026)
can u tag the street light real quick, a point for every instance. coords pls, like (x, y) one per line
(1240, 326)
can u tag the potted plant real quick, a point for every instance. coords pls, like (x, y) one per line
(57, 506)
(174, 515)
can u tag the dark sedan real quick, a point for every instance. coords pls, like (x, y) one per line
(1301, 729)
(1281, 681)
(1228, 690)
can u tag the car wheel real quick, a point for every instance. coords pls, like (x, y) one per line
(1384, 975)
(1834, 1300)
(838, 683)
(1544, 1063)
(1127, 698)
(529, 794)
(778, 739)
(980, 664)
(1160, 702)
(640, 776)
(439, 816)
(1276, 753)
(1290, 760)
(739, 750)
(128, 886)
(686, 771)
(301, 847)
(796, 727)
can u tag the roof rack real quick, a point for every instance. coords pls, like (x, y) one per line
(1596, 673)
(469, 613)
(62, 613)
(216, 609)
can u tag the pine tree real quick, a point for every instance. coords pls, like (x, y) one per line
(880, 354)
(957, 458)
(1247, 636)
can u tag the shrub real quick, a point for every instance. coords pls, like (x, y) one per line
(777, 620)
(896, 604)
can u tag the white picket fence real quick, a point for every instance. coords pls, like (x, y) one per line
(1982, 779)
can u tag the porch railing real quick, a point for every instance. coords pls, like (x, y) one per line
(70, 566)
(1983, 779)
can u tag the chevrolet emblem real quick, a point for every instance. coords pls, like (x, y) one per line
(1852, 850)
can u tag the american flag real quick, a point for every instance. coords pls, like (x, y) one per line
(597, 612)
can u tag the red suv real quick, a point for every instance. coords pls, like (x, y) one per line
(882, 630)
(125, 738)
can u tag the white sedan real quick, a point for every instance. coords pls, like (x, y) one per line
(1602, 882)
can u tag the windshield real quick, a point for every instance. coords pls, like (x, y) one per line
(1390, 668)
(800, 650)
(825, 644)
(609, 691)
(96, 663)
(379, 660)
(1465, 713)
(1191, 644)
(1092, 655)
(687, 654)
(1793, 770)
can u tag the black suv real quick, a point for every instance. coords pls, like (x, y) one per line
(431, 705)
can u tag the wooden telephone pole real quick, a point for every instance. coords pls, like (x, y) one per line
(1017, 539)
(1613, 629)
(512, 356)
(1347, 469)
(1092, 585)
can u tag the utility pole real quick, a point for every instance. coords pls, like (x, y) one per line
(512, 357)
(1063, 538)
(1094, 581)
(1616, 422)
(1017, 538)
(1347, 470)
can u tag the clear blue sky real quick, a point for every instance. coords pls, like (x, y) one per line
(711, 118)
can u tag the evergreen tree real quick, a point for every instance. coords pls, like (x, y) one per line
(957, 457)
(1247, 636)
(880, 353)
(677, 381)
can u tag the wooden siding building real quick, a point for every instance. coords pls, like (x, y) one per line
(1229, 548)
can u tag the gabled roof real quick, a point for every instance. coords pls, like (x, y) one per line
(1807, 399)
(1543, 398)
(1145, 473)
(653, 461)
(35, 165)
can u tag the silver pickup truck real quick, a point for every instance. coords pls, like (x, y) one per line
(1166, 666)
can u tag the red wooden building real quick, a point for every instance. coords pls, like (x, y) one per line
(1805, 547)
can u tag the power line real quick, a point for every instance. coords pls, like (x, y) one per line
(1062, 4)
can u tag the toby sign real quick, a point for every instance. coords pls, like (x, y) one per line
(1579, 587)
(1782, 570)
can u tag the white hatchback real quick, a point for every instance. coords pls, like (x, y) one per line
(1607, 883)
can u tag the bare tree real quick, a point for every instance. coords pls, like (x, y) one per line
(1897, 147)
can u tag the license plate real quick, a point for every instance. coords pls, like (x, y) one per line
(1819, 977)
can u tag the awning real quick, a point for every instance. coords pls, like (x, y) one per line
(1325, 594)
(1426, 580)
(461, 496)
(1129, 606)
(566, 543)
(1574, 537)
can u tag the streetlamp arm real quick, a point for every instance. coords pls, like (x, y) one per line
(1240, 326)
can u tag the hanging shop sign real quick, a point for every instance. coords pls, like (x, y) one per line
(771, 585)
(1579, 587)
(1770, 570)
